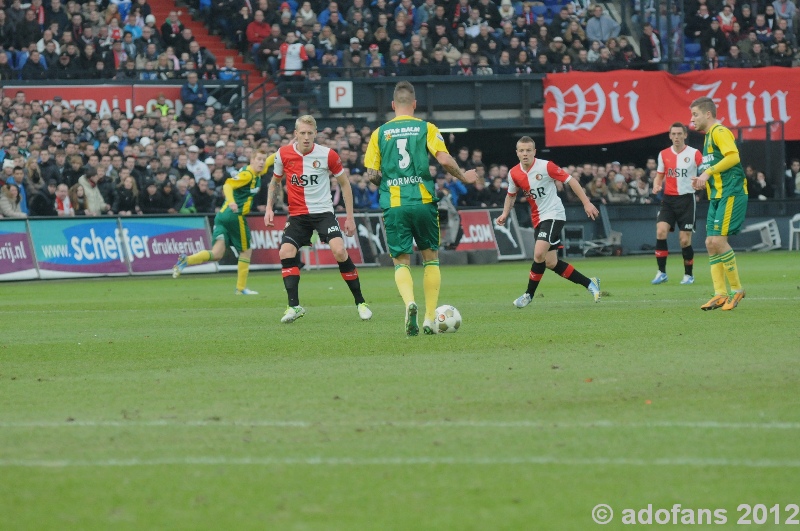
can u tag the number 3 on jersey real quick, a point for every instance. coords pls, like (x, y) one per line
(405, 158)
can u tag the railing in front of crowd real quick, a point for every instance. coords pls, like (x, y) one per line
(103, 95)
(461, 101)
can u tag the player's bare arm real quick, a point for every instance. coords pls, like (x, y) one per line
(588, 207)
(658, 182)
(450, 166)
(347, 193)
(374, 176)
(272, 191)
(507, 205)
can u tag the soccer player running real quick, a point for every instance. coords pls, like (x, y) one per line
(726, 185)
(536, 178)
(230, 225)
(307, 167)
(677, 166)
(399, 150)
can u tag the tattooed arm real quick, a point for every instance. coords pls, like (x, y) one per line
(450, 166)
(374, 176)
(272, 192)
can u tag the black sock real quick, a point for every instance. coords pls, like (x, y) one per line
(291, 279)
(661, 255)
(537, 270)
(688, 259)
(570, 273)
(350, 275)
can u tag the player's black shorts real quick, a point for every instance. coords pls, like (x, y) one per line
(298, 229)
(678, 210)
(549, 230)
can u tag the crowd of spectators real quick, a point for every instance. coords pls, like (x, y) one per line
(60, 161)
(103, 39)
(357, 38)
(723, 33)
(116, 39)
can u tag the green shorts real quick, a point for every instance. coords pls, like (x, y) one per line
(407, 224)
(726, 215)
(233, 228)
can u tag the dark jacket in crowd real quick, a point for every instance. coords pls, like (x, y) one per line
(68, 176)
(43, 204)
(125, 201)
(203, 202)
(34, 71)
(107, 190)
(149, 203)
(165, 198)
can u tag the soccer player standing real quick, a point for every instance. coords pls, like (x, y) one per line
(230, 225)
(307, 167)
(724, 180)
(399, 150)
(677, 166)
(536, 179)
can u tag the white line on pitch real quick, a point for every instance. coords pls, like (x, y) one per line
(519, 424)
(614, 300)
(402, 461)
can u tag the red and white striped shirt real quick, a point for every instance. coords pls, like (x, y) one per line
(679, 169)
(308, 177)
(539, 187)
(292, 57)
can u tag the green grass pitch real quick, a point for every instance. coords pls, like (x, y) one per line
(153, 403)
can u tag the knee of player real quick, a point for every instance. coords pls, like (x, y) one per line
(338, 250)
(540, 257)
(287, 251)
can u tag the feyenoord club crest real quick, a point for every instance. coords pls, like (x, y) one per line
(538, 177)
(315, 164)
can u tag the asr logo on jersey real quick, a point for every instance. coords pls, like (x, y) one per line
(304, 180)
(678, 173)
(538, 193)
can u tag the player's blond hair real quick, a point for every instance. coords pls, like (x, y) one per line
(404, 93)
(306, 119)
(526, 140)
(704, 105)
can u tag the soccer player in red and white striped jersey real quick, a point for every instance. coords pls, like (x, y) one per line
(307, 167)
(677, 166)
(536, 179)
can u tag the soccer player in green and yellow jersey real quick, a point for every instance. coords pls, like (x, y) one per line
(725, 182)
(399, 150)
(230, 225)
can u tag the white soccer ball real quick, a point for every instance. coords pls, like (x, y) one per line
(448, 319)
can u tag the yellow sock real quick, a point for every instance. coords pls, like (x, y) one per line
(241, 279)
(405, 284)
(199, 258)
(718, 275)
(728, 261)
(432, 283)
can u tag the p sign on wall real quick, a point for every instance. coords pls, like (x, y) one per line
(340, 94)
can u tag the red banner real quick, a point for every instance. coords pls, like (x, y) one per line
(584, 109)
(478, 233)
(266, 242)
(102, 98)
